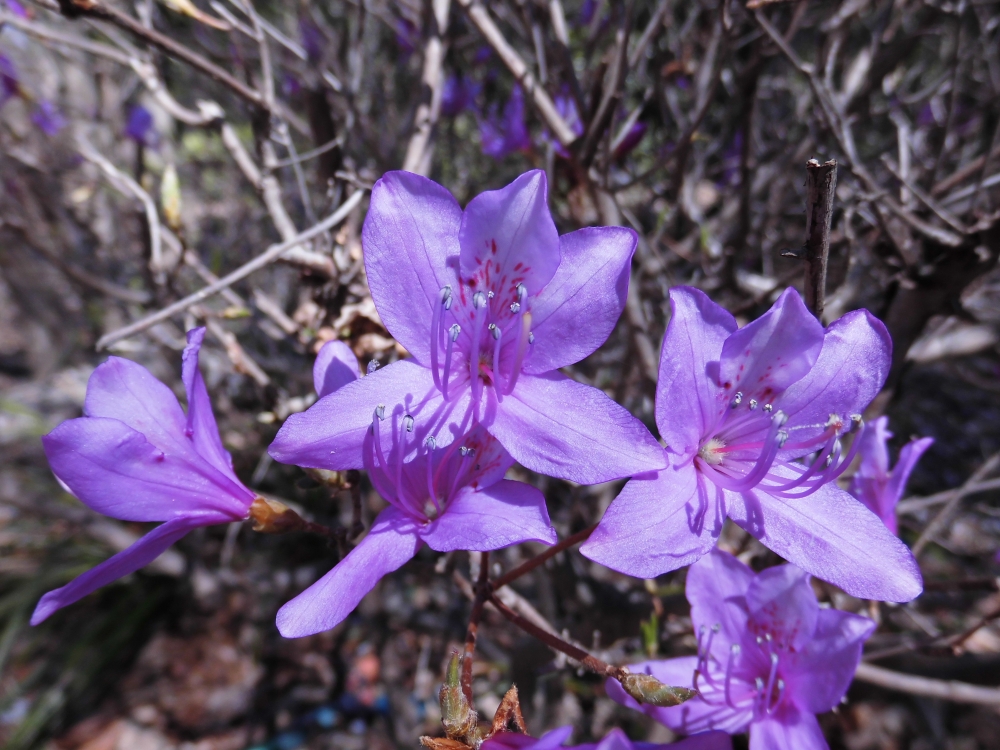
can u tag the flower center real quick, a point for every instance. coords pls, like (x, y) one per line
(750, 445)
(730, 684)
(480, 334)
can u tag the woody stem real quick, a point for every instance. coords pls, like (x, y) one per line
(483, 592)
(534, 562)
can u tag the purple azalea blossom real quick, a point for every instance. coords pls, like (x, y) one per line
(452, 498)
(135, 456)
(874, 485)
(616, 739)
(769, 659)
(48, 118)
(741, 412)
(505, 134)
(140, 126)
(489, 302)
(632, 139)
(458, 94)
(566, 107)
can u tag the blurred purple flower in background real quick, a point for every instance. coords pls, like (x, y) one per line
(874, 485)
(490, 302)
(504, 134)
(616, 739)
(740, 410)
(48, 118)
(9, 82)
(769, 658)
(140, 126)
(312, 38)
(630, 140)
(16, 8)
(458, 94)
(135, 456)
(407, 36)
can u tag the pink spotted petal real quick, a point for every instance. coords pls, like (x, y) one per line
(717, 587)
(782, 605)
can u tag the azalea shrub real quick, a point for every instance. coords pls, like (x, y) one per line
(466, 376)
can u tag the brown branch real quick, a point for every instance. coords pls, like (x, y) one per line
(483, 592)
(821, 185)
(420, 147)
(534, 562)
(609, 102)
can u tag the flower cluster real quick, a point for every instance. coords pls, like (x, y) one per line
(491, 302)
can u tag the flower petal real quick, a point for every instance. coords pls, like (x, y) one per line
(330, 433)
(391, 542)
(143, 552)
(116, 471)
(508, 236)
(659, 522)
(201, 426)
(874, 450)
(908, 457)
(578, 309)
(515, 741)
(824, 669)
(497, 516)
(703, 741)
(692, 716)
(782, 605)
(410, 239)
(849, 373)
(335, 367)
(765, 357)
(124, 390)
(556, 426)
(687, 394)
(834, 537)
(716, 587)
(787, 730)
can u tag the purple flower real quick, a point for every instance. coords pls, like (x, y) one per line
(16, 8)
(458, 94)
(490, 302)
(313, 40)
(742, 413)
(768, 657)
(874, 485)
(616, 739)
(451, 498)
(632, 139)
(566, 107)
(48, 118)
(140, 127)
(137, 457)
(503, 135)
(407, 37)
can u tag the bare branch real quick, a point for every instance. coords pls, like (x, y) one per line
(949, 690)
(821, 186)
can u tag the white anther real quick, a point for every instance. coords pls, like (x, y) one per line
(515, 307)
(782, 438)
(759, 640)
(717, 627)
(768, 408)
(380, 412)
(735, 649)
(857, 422)
(491, 294)
(531, 337)
(430, 443)
(522, 292)
(446, 293)
(495, 331)
(774, 659)
(465, 452)
(408, 423)
(779, 417)
(454, 331)
(372, 366)
(737, 399)
(758, 683)
(781, 685)
(767, 637)
(478, 300)
(753, 404)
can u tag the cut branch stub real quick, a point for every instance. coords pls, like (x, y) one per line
(821, 184)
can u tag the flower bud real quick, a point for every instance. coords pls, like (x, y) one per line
(459, 719)
(274, 517)
(647, 689)
(170, 197)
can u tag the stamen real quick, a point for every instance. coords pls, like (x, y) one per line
(737, 399)
(453, 333)
(495, 330)
(373, 365)
(405, 426)
(445, 298)
(479, 303)
(768, 407)
(491, 294)
(531, 338)
(520, 346)
(770, 682)
(753, 404)
(763, 464)
(734, 651)
(515, 307)
(430, 444)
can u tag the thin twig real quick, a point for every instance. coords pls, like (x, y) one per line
(483, 590)
(612, 95)
(821, 186)
(949, 690)
(268, 256)
(915, 504)
(944, 515)
(481, 19)
(420, 147)
(534, 562)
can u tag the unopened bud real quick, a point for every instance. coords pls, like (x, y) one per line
(647, 689)
(170, 197)
(459, 719)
